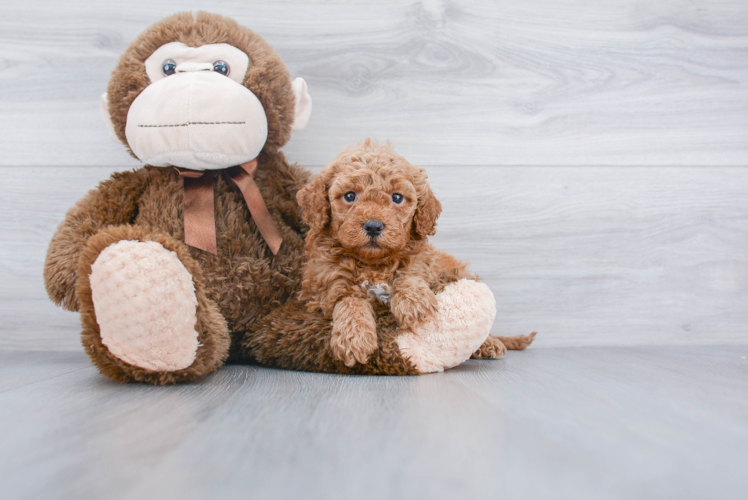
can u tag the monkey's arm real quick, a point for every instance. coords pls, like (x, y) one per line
(113, 202)
(290, 179)
(298, 178)
(279, 182)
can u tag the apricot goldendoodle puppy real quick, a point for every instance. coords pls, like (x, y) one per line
(370, 268)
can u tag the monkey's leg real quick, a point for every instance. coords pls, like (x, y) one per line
(296, 339)
(145, 315)
(467, 309)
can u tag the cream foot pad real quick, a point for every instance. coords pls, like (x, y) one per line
(145, 305)
(466, 312)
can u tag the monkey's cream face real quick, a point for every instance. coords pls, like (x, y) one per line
(196, 113)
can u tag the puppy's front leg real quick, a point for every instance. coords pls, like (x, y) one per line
(354, 331)
(412, 301)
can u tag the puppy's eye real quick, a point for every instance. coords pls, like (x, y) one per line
(397, 198)
(349, 197)
(221, 67)
(169, 67)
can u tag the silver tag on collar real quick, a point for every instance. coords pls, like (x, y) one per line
(379, 292)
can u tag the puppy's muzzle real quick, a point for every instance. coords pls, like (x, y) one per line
(373, 227)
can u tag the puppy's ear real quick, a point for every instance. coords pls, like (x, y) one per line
(427, 211)
(315, 207)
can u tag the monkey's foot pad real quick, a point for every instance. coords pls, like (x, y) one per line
(466, 312)
(145, 305)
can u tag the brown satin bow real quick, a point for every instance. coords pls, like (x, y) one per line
(199, 219)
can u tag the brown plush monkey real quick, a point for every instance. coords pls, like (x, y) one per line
(173, 269)
(199, 92)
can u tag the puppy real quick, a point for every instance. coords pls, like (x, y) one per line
(370, 213)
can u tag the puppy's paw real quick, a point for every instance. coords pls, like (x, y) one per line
(492, 348)
(414, 307)
(351, 346)
(354, 332)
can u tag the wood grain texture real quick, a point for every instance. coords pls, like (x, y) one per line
(581, 423)
(483, 82)
(584, 255)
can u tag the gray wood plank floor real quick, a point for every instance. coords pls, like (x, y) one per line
(577, 423)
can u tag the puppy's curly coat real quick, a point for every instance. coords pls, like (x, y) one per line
(370, 213)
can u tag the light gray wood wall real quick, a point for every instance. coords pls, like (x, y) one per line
(590, 156)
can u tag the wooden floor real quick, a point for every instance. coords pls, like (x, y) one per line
(592, 422)
(592, 161)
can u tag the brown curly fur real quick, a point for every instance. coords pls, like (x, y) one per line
(293, 338)
(341, 256)
(244, 281)
(335, 325)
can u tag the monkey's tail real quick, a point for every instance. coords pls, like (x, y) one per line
(518, 342)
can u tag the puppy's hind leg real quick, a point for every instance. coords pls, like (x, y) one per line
(518, 342)
(495, 347)
(492, 348)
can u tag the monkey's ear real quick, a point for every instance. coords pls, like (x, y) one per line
(315, 206)
(427, 211)
(303, 104)
(107, 117)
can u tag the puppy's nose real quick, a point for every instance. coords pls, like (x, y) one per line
(373, 227)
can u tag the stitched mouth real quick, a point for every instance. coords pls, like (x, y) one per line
(191, 123)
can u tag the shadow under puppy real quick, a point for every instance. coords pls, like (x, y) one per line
(376, 297)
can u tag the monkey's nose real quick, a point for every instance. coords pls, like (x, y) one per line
(373, 227)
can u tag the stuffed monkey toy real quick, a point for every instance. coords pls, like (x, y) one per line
(173, 265)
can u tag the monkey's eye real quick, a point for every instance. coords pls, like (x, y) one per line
(349, 197)
(221, 67)
(169, 67)
(397, 198)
